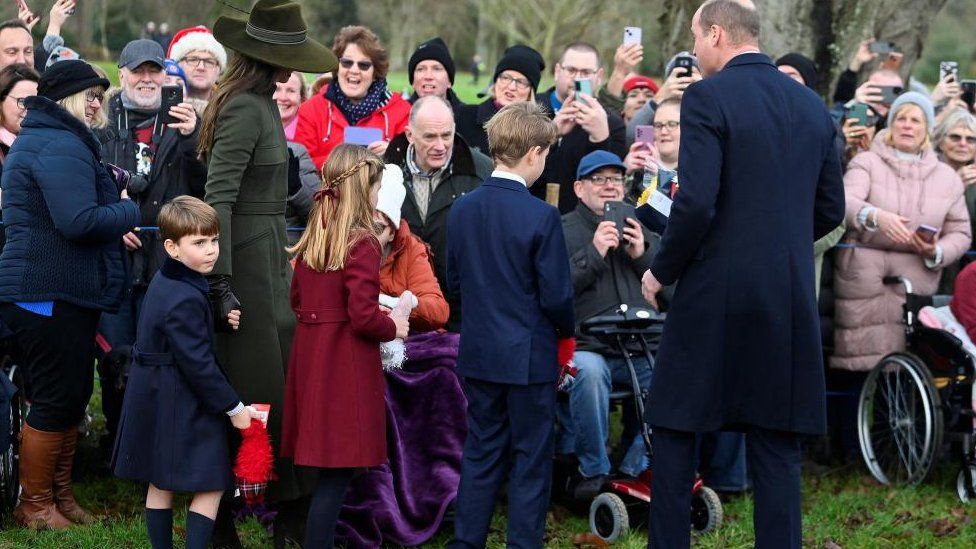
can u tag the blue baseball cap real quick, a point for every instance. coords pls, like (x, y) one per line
(596, 160)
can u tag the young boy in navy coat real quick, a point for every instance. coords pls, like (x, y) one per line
(506, 256)
(173, 428)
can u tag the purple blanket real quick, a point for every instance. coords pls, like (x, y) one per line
(403, 502)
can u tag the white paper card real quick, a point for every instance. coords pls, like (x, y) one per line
(660, 202)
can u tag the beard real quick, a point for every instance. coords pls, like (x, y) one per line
(143, 102)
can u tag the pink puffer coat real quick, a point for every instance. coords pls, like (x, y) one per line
(868, 314)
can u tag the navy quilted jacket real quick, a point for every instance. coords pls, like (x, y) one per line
(63, 215)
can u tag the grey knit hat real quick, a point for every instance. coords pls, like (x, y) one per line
(915, 98)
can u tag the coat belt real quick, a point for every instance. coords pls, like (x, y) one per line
(260, 208)
(320, 316)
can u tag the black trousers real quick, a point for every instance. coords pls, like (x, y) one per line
(773, 460)
(57, 354)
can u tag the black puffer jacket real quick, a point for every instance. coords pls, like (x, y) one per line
(175, 171)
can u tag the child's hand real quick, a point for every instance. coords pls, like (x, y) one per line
(242, 420)
(234, 319)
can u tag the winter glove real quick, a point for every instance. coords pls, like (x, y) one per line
(222, 301)
(567, 371)
(294, 179)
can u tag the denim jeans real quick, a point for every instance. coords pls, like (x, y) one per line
(722, 460)
(585, 421)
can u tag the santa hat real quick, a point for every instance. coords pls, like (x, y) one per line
(194, 39)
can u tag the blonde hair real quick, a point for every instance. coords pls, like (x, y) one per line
(186, 215)
(926, 143)
(341, 212)
(515, 129)
(76, 105)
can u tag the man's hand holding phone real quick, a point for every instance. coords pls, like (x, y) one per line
(946, 90)
(606, 237)
(634, 237)
(856, 135)
(868, 92)
(591, 117)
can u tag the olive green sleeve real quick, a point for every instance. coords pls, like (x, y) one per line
(609, 100)
(237, 132)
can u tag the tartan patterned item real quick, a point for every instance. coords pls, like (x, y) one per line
(254, 466)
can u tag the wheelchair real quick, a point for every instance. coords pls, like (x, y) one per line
(915, 400)
(11, 386)
(619, 500)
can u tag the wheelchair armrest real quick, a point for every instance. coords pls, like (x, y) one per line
(631, 321)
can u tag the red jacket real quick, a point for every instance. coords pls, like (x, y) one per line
(334, 411)
(963, 304)
(408, 267)
(322, 126)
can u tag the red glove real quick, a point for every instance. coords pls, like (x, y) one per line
(567, 371)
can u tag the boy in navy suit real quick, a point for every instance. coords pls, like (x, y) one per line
(506, 257)
(172, 431)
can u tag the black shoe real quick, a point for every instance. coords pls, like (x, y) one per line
(588, 488)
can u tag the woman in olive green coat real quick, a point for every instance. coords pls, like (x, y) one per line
(244, 144)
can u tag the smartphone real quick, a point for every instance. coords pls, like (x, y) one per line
(859, 112)
(619, 212)
(172, 96)
(889, 93)
(883, 47)
(948, 67)
(362, 136)
(685, 62)
(644, 134)
(968, 92)
(632, 35)
(927, 233)
(584, 85)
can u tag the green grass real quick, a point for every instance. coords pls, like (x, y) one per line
(843, 507)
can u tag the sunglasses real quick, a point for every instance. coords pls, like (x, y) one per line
(348, 63)
(956, 138)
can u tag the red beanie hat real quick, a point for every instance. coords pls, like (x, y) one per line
(640, 81)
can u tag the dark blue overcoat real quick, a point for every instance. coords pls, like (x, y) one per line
(173, 429)
(760, 182)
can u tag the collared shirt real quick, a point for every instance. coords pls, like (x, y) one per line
(422, 183)
(555, 102)
(509, 175)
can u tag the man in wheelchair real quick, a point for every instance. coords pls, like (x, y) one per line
(606, 264)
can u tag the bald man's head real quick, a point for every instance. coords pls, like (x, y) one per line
(431, 132)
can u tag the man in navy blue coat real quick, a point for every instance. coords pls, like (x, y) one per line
(760, 182)
(506, 258)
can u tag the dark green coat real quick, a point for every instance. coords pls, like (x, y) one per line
(247, 183)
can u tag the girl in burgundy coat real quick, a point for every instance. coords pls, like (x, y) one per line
(334, 417)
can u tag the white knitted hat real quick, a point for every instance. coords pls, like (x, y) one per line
(198, 38)
(391, 195)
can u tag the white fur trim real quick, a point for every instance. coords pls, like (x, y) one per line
(199, 41)
(391, 195)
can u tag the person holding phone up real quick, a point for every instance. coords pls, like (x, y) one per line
(680, 72)
(158, 150)
(906, 216)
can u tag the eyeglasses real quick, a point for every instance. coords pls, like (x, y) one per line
(578, 73)
(208, 62)
(954, 137)
(92, 96)
(506, 80)
(670, 124)
(603, 180)
(21, 102)
(348, 63)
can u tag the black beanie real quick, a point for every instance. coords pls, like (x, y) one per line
(524, 60)
(68, 77)
(434, 49)
(803, 65)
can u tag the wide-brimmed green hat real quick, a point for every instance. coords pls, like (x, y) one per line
(275, 33)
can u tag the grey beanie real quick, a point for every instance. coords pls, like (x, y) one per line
(915, 98)
(671, 62)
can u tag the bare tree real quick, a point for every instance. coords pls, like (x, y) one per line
(828, 32)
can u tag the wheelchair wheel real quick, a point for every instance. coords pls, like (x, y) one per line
(966, 490)
(9, 460)
(899, 418)
(706, 511)
(608, 517)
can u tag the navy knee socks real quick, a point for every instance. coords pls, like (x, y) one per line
(159, 525)
(199, 529)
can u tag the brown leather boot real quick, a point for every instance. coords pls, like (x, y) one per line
(39, 453)
(63, 496)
